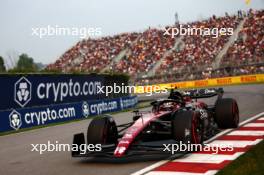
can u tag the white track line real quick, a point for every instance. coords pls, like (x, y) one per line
(211, 172)
(171, 173)
(240, 124)
(252, 118)
(254, 125)
(262, 118)
(151, 167)
(207, 158)
(234, 143)
(246, 133)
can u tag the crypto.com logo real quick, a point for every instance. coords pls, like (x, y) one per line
(15, 120)
(22, 91)
(85, 109)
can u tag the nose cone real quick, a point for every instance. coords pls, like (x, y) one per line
(120, 151)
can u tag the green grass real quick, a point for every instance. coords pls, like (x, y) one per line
(250, 163)
(138, 106)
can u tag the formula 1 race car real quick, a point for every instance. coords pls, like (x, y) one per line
(179, 118)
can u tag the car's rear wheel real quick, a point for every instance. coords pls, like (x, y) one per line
(187, 127)
(227, 113)
(102, 130)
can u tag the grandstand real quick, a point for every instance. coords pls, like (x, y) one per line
(151, 57)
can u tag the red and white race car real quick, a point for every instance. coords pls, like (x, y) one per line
(179, 118)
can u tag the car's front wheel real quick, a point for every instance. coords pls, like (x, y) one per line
(102, 130)
(227, 113)
(187, 127)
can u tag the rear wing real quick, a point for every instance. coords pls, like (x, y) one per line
(204, 93)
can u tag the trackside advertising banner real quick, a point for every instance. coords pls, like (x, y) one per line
(245, 79)
(18, 91)
(15, 119)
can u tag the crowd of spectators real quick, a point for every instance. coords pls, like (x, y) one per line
(193, 75)
(92, 55)
(192, 59)
(245, 56)
(145, 52)
(249, 47)
(199, 50)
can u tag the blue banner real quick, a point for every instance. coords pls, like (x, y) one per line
(19, 91)
(15, 119)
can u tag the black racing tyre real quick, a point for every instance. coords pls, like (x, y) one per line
(187, 127)
(102, 130)
(227, 113)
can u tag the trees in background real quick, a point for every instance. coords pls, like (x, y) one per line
(2, 65)
(25, 64)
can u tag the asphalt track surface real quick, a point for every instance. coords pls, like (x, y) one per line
(16, 156)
